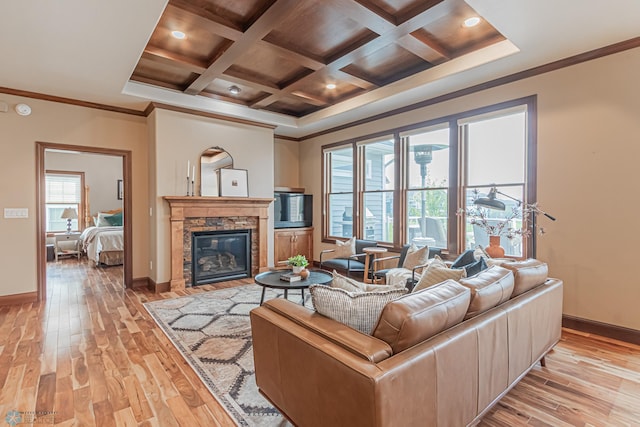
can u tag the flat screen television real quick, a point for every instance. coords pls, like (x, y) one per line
(293, 210)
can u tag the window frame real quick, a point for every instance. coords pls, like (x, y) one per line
(456, 187)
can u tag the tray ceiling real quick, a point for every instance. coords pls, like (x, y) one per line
(282, 54)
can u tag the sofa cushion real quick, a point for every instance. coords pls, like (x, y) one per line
(527, 274)
(438, 272)
(358, 310)
(416, 257)
(418, 316)
(344, 249)
(489, 288)
(465, 258)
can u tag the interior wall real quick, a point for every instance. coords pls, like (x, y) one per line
(63, 124)
(286, 169)
(588, 148)
(181, 137)
(101, 174)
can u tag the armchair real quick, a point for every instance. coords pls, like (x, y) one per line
(353, 264)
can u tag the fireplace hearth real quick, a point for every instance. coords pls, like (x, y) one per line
(220, 255)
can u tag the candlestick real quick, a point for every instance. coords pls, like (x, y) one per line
(193, 187)
(187, 185)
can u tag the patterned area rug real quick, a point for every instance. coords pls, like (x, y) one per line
(213, 333)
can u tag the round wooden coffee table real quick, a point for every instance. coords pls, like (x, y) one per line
(271, 279)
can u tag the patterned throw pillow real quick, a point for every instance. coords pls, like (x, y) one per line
(358, 310)
(438, 272)
(416, 257)
(344, 249)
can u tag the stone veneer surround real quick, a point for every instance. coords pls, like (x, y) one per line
(190, 214)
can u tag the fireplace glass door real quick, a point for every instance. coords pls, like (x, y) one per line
(220, 255)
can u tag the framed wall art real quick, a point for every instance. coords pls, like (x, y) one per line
(233, 182)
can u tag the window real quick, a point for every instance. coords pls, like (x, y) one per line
(63, 190)
(428, 186)
(339, 181)
(495, 147)
(378, 186)
(405, 186)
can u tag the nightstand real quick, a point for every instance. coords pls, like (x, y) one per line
(67, 249)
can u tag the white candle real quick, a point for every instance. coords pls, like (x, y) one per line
(188, 167)
(193, 173)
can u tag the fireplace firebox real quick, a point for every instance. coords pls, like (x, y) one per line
(217, 256)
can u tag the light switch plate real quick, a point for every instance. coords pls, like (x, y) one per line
(16, 212)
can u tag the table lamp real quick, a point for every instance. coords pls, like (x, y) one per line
(69, 214)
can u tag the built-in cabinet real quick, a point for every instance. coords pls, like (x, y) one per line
(293, 241)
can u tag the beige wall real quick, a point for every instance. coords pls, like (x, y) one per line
(63, 124)
(101, 174)
(588, 146)
(181, 137)
(286, 170)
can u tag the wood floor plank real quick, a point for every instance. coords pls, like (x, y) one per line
(92, 354)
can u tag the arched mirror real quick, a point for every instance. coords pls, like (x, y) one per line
(211, 160)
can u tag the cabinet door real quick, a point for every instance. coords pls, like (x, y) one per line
(282, 242)
(303, 244)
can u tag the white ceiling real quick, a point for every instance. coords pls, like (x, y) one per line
(86, 50)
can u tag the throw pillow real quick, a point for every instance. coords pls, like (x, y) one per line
(345, 283)
(475, 267)
(352, 285)
(358, 310)
(416, 257)
(465, 258)
(345, 249)
(115, 219)
(438, 272)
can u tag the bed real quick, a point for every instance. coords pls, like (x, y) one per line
(104, 241)
(103, 245)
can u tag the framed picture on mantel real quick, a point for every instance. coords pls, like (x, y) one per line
(233, 182)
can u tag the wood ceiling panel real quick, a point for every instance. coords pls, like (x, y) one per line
(201, 43)
(246, 96)
(450, 33)
(263, 66)
(319, 31)
(292, 107)
(317, 90)
(399, 10)
(388, 64)
(239, 14)
(153, 72)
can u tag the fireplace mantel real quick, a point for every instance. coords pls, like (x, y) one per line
(213, 207)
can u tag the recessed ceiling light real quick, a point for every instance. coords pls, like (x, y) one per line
(234, 90)
(331, 86)
(471, 22)
(178, 34)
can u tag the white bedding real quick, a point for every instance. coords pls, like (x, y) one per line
(98, 239)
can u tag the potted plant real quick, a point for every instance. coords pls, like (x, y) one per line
(298, 263)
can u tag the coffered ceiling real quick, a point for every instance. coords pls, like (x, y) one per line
(297, 57)
(382, 55)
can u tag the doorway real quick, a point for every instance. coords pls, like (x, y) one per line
(123, 189)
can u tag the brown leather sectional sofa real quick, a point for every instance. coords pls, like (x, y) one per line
(319, 372)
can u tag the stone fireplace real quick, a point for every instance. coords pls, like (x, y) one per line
(198, 215)
(219, 255)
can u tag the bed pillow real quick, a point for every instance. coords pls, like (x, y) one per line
(115, 219)
(102, 220)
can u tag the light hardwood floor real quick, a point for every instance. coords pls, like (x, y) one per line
(92, 355)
